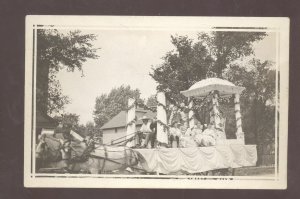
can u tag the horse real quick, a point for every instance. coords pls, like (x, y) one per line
(79, 157)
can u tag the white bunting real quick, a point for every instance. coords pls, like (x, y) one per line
(238, 118)
(131, 129)
(191, 114)
(162, 132)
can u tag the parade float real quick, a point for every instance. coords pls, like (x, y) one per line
(226, 153)
(122, 153)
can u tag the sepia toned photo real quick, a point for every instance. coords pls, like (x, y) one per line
(156, 102)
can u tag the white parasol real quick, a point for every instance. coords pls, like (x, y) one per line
(204, 87)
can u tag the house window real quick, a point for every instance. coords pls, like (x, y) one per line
(116, 130)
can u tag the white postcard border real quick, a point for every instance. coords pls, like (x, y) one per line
(278, 25)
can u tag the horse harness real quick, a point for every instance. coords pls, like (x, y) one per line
(87, 153)
(107, 159)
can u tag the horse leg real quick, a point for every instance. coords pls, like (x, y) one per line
(93, 165)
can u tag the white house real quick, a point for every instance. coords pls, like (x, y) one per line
(116, 127)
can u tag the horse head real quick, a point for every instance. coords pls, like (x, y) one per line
(49, 148)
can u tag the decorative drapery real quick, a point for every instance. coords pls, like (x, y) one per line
(191, 113)
(238, 118)
(198, 159)
(162, 130)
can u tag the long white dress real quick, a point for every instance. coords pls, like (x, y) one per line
(207, 138)
(188, 139)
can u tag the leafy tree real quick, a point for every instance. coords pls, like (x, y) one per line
(109, 105)
(57, 51)
(71, 121)
(80, 129)
(90, 128)
(151, 101)
(182, 68)
(56, 99)
(67, 122)
(226, 47)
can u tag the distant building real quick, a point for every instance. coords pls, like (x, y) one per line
(116, 127)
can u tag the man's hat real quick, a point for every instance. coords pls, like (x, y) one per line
(145, 118)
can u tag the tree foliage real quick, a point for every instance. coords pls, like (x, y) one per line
(151, 101)
(109, 105)
(67, 122)
(182, 67)
(56, 99)
(70, 121)
(90, 128)
(57, 51)
(227, 47)
(87, 130)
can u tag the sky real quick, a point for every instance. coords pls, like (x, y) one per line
(126, 58)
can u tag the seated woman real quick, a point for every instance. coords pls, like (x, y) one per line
(208, 137)
(188, 139)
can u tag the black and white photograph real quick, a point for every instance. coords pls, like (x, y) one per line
(156, 102)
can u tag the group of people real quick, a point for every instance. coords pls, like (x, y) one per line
(179, 135)
(196, 135)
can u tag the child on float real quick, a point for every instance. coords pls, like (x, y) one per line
(175, 134)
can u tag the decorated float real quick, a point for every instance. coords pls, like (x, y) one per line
(209, 152)
(222, 154)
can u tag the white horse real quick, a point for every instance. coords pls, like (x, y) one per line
(78, 157)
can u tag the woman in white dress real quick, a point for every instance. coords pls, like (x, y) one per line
(188, 139)
(207, 138)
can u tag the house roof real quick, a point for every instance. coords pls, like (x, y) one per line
(119, 120)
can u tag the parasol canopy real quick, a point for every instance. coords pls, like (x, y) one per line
(204, 87)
